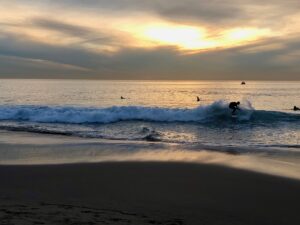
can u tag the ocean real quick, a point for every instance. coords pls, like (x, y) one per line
(161, 112)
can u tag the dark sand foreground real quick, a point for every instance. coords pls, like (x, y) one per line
(145, 193)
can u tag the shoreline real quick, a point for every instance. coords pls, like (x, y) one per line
(181, 193)
(22, 148)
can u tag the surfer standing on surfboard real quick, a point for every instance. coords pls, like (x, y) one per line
(234, 106)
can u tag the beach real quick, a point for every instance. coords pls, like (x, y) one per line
(141, 192)
(145, 193)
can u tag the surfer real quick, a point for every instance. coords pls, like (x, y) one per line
(234, 106)
(122, 97)
(198, 99)
(296, 108)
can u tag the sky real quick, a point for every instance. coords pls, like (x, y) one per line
(150, 39)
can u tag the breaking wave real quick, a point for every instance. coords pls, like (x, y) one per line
(217, 111)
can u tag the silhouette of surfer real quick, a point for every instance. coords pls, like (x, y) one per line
(296, 108)
(122, 97)
(234, 106)
(198, 99)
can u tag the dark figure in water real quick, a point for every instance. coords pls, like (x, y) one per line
(296, 108)
(198, 99)
(234, 106)
(122, 97)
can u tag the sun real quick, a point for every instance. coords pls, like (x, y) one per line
(184, 37)
(191, 38)
(174, 35)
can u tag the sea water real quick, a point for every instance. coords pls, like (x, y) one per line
(165, 112)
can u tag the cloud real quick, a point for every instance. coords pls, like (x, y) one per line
(20, 47)
(86, 40)
(69, 29)
(86, 34)
(29, 59)
(13, 67)
(216, 12)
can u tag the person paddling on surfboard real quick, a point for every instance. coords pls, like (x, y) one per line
(234, 106)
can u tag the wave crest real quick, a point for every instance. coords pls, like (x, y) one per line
(217, 111)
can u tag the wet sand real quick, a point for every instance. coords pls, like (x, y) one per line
(145, 193)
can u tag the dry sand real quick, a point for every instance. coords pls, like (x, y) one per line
(145, 193)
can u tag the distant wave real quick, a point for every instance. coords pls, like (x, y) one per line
(217, 111)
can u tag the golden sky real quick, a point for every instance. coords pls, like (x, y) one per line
(142, 39)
